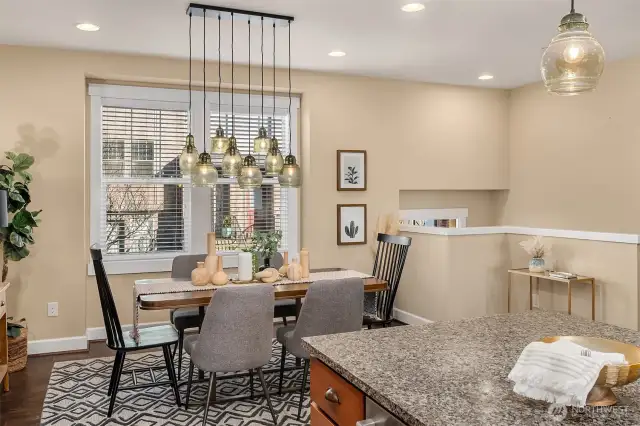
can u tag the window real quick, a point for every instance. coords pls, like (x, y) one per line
(143, 212)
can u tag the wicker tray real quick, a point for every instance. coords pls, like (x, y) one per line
(18, 351)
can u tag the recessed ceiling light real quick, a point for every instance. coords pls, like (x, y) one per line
(337, 53)
(485, 77)
(87, 26)
(413, 7)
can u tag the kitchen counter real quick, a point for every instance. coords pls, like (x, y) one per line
(455, 372)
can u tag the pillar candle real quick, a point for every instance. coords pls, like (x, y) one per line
(245, 266)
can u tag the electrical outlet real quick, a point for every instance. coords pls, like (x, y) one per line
(52, 309)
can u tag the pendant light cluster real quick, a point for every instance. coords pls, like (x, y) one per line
(247, 171)
(574, 61)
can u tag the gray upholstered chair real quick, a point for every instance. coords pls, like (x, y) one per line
(330, 307)
(184, 318)
(236, 335)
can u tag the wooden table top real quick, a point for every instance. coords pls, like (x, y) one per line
(191, 299)
(526, 272)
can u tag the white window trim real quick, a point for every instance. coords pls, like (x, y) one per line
(146, 97)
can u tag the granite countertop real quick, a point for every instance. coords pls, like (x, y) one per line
(455, 372)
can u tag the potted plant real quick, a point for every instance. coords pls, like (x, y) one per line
(227, 227)
(16, 237)
(536, 248)
(266, 245)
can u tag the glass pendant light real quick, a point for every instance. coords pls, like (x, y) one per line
(273, 162)
(189, 155)
(261, 142)
(205, 174)
(250, 175)
(290, 176)
(574, 60)
(232, 162)
(219, 143)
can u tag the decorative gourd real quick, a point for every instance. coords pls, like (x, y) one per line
(220, 277)
(200, 275)
(294, 272)
(211, 261)
(285, 265)
(269, 275)
(304, 262)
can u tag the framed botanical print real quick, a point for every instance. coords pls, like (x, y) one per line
(352, 224)
(352, 170)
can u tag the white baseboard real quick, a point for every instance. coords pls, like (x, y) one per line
(409, 318)
(65, 344)
(100, 333)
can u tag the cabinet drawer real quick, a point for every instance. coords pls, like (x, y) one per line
(318, 418)
(336, 397)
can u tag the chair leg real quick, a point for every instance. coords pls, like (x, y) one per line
(180, 344)
(282, 359)
(266, 394)
(284, 321)
(116, 362)
(186, 403)
(369, 327)
(171, 372)
(304, 384)
(116, 382)
(251, 383)
(212, 389)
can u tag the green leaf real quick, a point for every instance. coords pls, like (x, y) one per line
(22, 219)
(13, 253)
(10, 155)
(15, 196)
(16, 240)
(22, 162)
(26, 176)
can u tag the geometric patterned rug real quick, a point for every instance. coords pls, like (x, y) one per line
(77, 395)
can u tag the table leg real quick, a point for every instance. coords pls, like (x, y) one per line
(530, 293)
(569, 298)
(509, 293)
(593, 300)
(298, 306)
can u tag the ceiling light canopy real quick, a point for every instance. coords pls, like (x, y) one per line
(413, 7)
(87, 26)
(574, 61)
(337, 53)
(485, 77)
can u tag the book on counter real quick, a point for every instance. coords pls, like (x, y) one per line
(563, 275)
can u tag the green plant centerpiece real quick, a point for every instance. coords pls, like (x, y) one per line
(266, 245)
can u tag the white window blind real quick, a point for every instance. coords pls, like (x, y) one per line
(237, 213)
(143, 197)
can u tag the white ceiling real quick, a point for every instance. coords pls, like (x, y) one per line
(451, 41)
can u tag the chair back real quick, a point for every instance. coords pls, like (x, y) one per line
(109, 311)
(237, 330)
(183, 264)
(330, 307)
(388, 265)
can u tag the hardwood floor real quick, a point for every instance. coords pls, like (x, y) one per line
(22, 406)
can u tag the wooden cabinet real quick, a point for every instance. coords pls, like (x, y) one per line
(4, 344)
(335, 401)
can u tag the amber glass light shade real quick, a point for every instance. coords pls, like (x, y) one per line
(290, 176)
(273, 162)
(250, 175)
(574, 61)
(261, 142)
(205, 174)
(188, 157)
(219, 142)
(232, 161)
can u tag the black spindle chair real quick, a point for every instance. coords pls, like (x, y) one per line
(151, 337)
(388, 265)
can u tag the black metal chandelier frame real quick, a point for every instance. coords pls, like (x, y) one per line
(201, 10)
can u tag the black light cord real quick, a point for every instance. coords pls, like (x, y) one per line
(274, 78)
(573, 9)
(190, 120)
(204, 77)
(290, 88)
(233, 116)
(219, 74)
(262, 69)
(249, 92)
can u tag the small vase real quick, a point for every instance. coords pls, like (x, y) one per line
(304, 262)
(245, 266)
(200, 275)
(211, 261)
(536, 265)
(220, 277)
(285, 264)
(294, 272)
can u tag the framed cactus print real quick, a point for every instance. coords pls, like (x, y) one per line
(352, 170)
(352, 224)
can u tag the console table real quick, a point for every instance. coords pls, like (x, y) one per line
(568, 281)
(4, 344)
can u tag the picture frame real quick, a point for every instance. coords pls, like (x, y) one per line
(352, 224)
(351, 166)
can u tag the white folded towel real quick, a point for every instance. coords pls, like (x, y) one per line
(561, 372)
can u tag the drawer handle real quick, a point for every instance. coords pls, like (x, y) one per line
(332, 396)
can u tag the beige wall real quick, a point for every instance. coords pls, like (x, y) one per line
(441, 137)
(574, 161)
(482, 205)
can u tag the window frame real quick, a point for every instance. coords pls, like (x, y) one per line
(200, 217)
